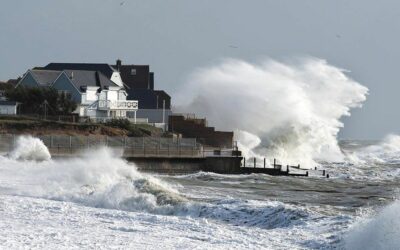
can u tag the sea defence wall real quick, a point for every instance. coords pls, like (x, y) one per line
(150, 154)
(174, 165)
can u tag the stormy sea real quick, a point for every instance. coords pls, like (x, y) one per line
(101, 201)
(287, 110)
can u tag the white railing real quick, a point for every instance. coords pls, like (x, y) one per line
(118, 105)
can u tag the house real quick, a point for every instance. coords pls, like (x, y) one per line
(8, 107)
(154, 105)
(97, 96)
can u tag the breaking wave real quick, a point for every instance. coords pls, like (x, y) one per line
(385, 152)
(289, 111)
(30, 148)
(380, 232)
(102, 179)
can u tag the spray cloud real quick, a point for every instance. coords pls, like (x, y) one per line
(290, 111)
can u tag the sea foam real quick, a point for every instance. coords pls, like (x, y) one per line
(294, 109)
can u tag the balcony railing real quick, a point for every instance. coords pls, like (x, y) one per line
(118, 105)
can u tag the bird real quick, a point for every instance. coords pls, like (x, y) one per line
(233, 46)
(122, 3)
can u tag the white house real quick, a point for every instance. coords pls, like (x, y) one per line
(96, 95)
(8, 107)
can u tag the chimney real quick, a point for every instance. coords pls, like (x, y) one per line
(119, 63)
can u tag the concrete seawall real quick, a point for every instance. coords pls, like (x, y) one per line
(179, 165)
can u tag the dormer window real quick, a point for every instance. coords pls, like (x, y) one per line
(133, 72)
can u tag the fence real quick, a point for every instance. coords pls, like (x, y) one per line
(132, 146)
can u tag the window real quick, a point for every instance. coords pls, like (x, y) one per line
(133, 72)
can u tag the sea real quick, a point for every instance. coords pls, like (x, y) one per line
(100, 201)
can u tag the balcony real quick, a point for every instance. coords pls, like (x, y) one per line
(118, 105)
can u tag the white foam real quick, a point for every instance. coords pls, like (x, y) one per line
(379, 232)
(293, 108)
(30, 148)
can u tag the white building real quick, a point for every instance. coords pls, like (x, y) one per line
(8, 107)
(96, 95)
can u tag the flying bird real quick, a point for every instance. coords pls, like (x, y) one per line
(122, 3)
(233, 46)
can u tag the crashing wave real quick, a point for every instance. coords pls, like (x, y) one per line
(30, 148)
(288, 111)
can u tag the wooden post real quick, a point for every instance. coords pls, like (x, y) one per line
(255, 162)
(244, 161)
(274, 162)
(307, 173)
(323, 172)
(287, 168)
(264, 162)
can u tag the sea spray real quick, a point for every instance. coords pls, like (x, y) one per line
(30, 148)
(294, 109)
(379, 232)
(100, 178)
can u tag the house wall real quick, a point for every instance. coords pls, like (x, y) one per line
(63, 83)
(91, 94)
(8, 109)
(116, 78)
(28, 81)
(112, 95)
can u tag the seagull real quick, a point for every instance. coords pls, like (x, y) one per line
(122, 3)
(233, 46)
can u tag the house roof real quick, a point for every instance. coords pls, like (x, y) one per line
(84, 78)
(45, 77)
(162, 93)
(135, 81)
(104, 68)
(8, 103)
(80, 78)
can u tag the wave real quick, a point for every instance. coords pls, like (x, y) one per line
(382, 231)
(288, 111)
(30, 148)
(387, 151)
(102, 179)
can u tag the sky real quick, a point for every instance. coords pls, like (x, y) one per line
(176, 37)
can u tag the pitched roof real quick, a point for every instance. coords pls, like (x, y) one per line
(104, 68)
(84, 78)
(45, 77)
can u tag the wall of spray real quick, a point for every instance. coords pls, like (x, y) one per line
(290, 111)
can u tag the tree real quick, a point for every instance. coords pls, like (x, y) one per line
(32, 100)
